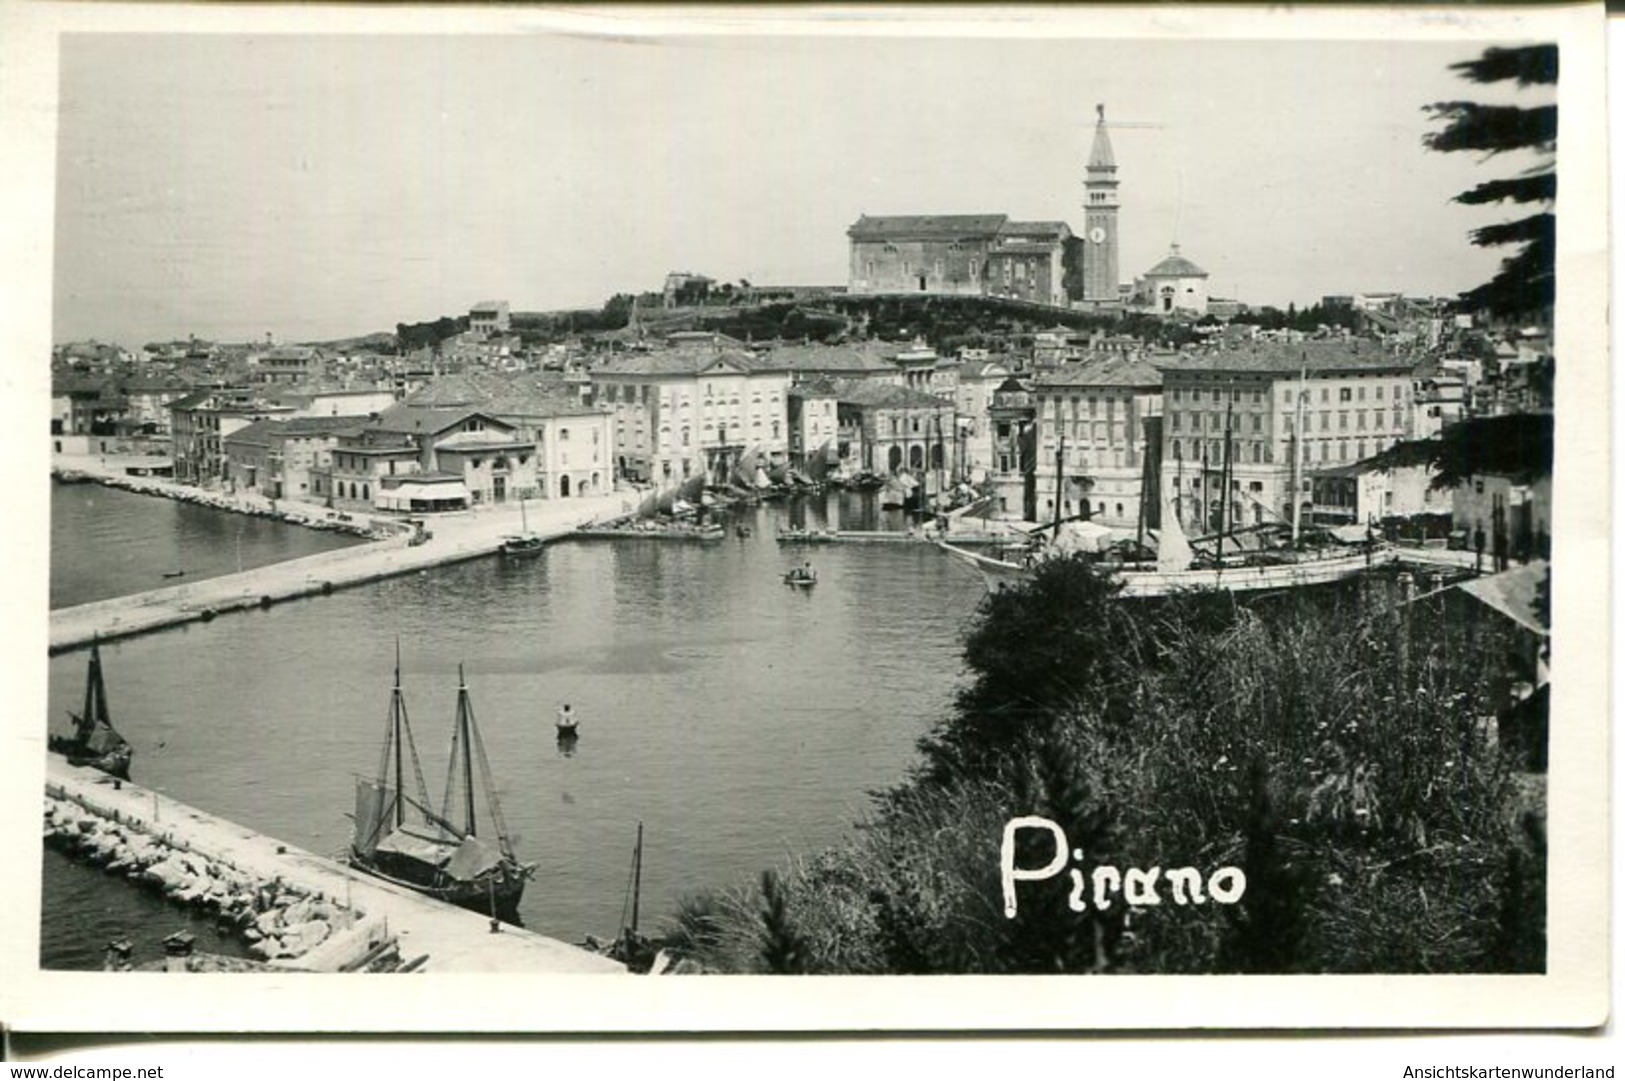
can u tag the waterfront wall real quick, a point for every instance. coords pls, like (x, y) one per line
(281, 923)
(300, 911)
(299, 514)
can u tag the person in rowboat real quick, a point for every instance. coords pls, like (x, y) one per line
(567, 718)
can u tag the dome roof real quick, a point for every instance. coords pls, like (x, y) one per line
(1176, 266)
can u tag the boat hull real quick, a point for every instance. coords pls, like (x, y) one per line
(496, 894)
(997, 574)
(113, 763)
(523, 549)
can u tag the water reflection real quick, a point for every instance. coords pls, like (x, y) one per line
(740, 719)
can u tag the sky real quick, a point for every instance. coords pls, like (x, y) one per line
(311, 187)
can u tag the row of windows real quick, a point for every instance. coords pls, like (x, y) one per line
(1194, 450)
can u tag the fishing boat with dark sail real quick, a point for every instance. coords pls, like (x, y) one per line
(95, 742)
(524, 544)
(442, 854)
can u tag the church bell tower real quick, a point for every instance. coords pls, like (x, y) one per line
(1100, 218)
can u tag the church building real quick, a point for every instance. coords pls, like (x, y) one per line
(989, 255)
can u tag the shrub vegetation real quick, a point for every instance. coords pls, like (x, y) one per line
(1335, 748)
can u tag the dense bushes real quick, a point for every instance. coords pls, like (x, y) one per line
(1333, 748)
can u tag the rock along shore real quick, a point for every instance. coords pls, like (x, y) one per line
(298, 910)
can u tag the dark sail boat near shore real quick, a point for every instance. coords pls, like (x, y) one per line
(95, 742)
(402, 840)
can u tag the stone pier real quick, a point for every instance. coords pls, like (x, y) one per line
(299, 910)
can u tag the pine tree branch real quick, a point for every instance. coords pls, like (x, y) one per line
(1493, 129)
(1541, 187)
(1529, 64)
(1537, 227)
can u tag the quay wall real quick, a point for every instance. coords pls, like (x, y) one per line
(300, 911)
(280, 922)
(455, 538)
(293, 513)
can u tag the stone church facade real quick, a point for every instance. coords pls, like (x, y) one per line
(989, 255)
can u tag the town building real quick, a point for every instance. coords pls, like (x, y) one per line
(574, 440)
(489, 317)
(315, 400)
(1041, 262)
(1354, 397)
(280, 457)
(976, 383)
(1092, 437)
(1175, 286)
(288, 364)
(889, 428)
(491, 464)
(813, 425)
(692, 410)
(863, 360)
(199, 424)
(1014, 474)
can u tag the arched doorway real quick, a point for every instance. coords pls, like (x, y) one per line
(894, 458)
(916, 457)
(564, 486)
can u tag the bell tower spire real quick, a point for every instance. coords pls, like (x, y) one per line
(1100, 217)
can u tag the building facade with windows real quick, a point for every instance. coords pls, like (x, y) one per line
(1354, 399)
(1090, 420)
(693, 410)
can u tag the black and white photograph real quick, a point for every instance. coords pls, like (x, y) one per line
(862, 493)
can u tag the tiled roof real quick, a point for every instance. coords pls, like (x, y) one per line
(927, 226)
(257, 434)
(822, 358)
(1315, 358)
(412, 419)
(1050, 230)
(676, 362)
(1101, 371)
(817, 386)
(531, 394)
(887, 396)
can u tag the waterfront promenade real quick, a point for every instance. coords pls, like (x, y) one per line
(456, 537)
(453, 939)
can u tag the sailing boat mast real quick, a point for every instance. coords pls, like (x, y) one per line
(397, 710)
(1060, 455)
(637, 877)
(1297, 451)
(1224, 474)
(466, 739)
(95, 695)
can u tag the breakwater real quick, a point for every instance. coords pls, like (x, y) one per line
(279, 922)
(297, 910)
(453, 538)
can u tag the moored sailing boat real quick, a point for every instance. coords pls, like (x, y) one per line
(95, 742)
(1178, 568)
(400, 839)
(524, 544)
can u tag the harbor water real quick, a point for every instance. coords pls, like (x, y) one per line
(106, 542)
(742, 721)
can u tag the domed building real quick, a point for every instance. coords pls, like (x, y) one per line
(1174, 285)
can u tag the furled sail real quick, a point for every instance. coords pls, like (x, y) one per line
(1173, 549)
